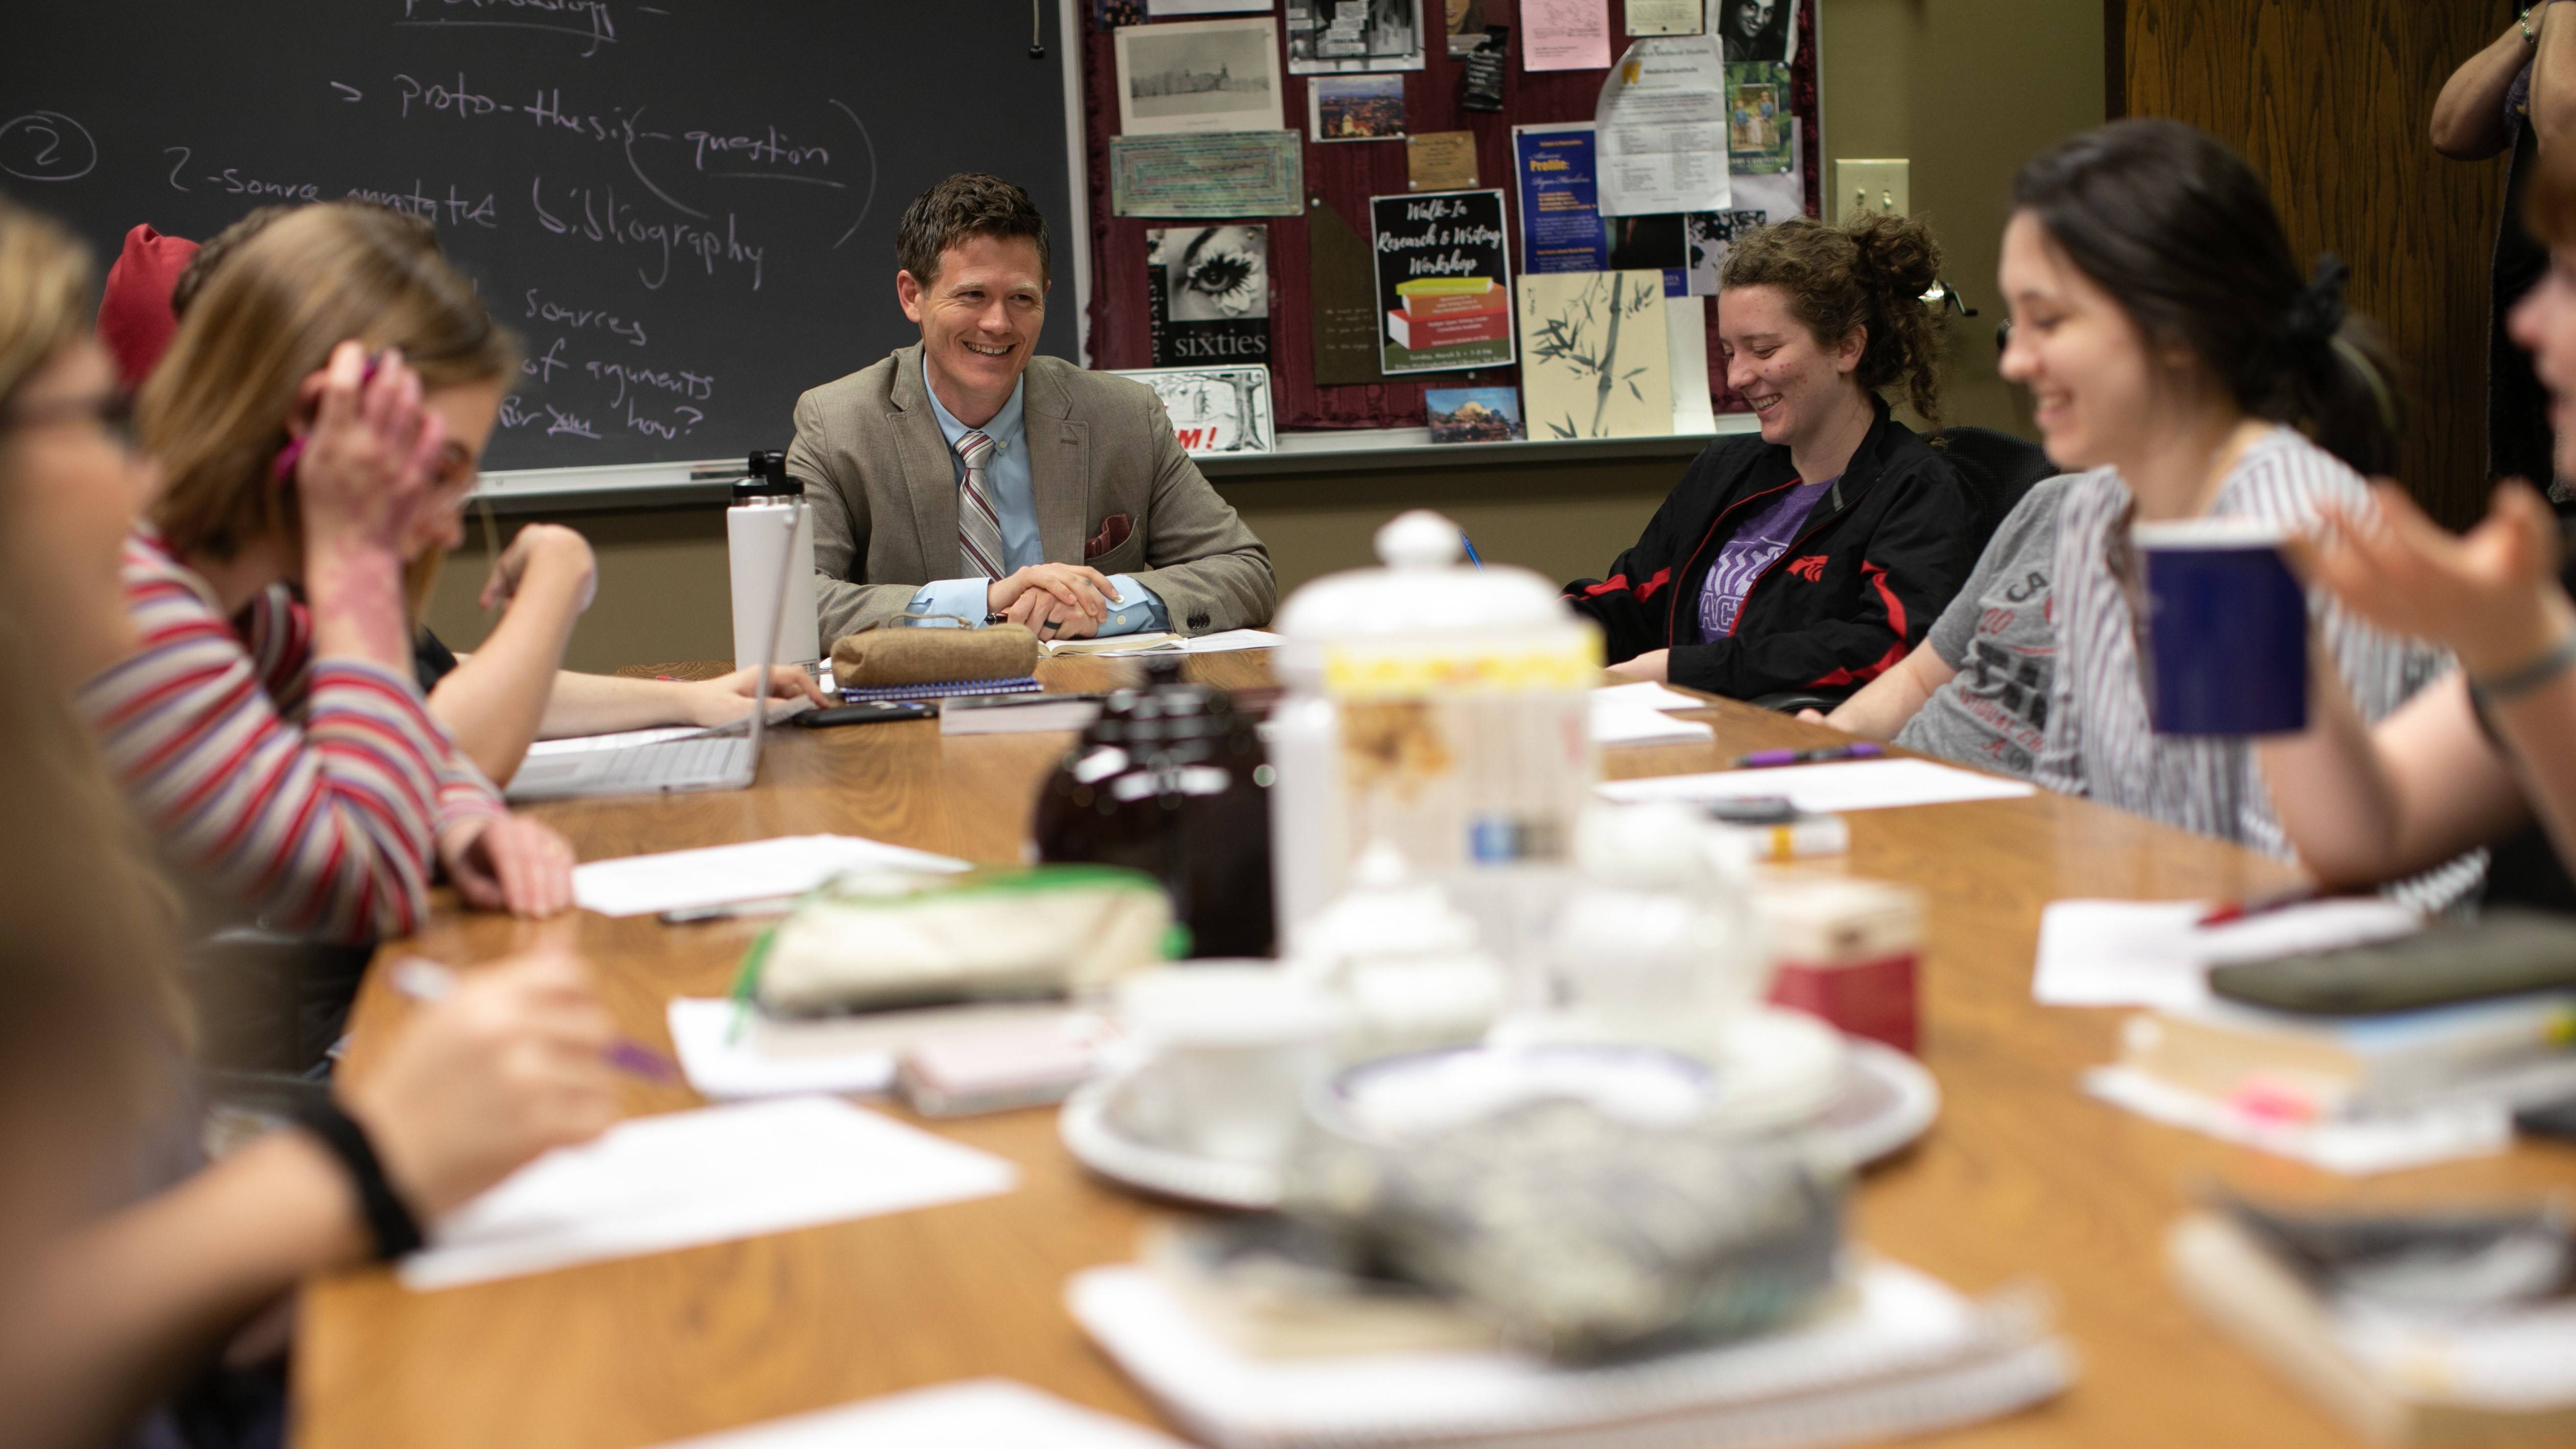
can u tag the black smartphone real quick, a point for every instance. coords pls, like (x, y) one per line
(875, 711)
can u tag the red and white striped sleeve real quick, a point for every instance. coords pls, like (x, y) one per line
(323, 824)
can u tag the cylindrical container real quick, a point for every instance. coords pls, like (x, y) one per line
(1848, 952)
(1170, 780)
(767, 506)
(2226, 649)
(1440, 709)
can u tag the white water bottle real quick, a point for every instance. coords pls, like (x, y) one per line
(767, 507)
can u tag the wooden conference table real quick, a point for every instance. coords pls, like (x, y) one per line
(2022, 1179)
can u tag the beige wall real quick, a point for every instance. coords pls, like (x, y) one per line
(1964, 88)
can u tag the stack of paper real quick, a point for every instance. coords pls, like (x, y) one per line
(1908, 1357)
(651, 1184)
(718, 875)
(1118, 645)
(974, 1414)
(1829, 789)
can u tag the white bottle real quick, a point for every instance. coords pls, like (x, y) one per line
(767, 504)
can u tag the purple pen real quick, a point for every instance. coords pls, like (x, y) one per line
(1769, 759)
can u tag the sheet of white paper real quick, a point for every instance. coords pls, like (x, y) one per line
(1648, 693)
(651, 1184)
(2155, 953)
(1829, 789)
(1618, 722)
(1227, 640)
(2351, 1147)
(1686, 348)
(970, 1414)
(726, 1067)
(622, 738)
(1661, 121)
(715, 875)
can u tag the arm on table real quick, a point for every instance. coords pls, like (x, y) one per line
(1884, 704)
(119, 1312)
(499, 698)
(1206, 567)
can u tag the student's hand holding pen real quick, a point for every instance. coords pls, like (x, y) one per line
(513, 1061)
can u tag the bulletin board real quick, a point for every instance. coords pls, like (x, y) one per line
(1345, 175)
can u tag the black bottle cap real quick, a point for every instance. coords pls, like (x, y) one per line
(767, 477)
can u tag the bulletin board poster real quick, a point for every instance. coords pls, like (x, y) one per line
(1444, 281)
(1561, 229)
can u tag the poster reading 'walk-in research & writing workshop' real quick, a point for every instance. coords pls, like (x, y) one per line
(1444, 281)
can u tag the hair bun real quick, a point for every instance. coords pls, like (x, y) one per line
(1896, 252)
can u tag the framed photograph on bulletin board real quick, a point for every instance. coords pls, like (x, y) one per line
(1199, 75)
(1344, 35)
(1216, 411)
(1444, 281)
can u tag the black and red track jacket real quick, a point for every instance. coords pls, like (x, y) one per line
(1872, 567)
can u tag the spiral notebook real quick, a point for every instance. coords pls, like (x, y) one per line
(1907, 1355)
(877, 693)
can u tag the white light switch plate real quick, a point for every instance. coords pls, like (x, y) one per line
(1870, 185)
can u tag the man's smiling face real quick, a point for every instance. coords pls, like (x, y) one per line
(980, 313)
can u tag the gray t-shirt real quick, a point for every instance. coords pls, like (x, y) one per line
(2001, 637)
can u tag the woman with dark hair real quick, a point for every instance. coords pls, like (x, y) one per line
(1813, 556)
(2183, 360)
(2474, 758)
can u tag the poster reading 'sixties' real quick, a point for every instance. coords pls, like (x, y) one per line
(1444, 281)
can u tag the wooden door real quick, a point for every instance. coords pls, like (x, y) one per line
(2331, 102)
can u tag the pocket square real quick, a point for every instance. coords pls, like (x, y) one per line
(1113, 532)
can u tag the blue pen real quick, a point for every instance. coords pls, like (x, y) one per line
(1471, 548)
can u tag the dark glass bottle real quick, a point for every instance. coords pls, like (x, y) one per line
(1173, 781)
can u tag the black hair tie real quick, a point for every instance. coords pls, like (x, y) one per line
(390, 1220)
(2316, 315)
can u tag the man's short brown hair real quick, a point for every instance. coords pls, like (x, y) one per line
(968, 204)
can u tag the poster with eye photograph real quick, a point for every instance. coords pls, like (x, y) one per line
(1207, 294)
(1444, 281)
(1346, 35)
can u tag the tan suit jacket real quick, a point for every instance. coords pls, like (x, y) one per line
(876, 468)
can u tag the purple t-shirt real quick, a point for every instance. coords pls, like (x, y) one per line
(1740, 560)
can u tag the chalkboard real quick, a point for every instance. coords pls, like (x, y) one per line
(685, 209)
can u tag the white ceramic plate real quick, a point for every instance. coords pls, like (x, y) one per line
(1089, 1130)
(1887, 1101)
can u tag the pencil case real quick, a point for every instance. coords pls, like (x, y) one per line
(871, 941)
(2503, 952)
(905, 655)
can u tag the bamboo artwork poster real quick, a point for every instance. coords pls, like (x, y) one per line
(1594, 363)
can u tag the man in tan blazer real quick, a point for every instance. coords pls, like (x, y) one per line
(967, 476)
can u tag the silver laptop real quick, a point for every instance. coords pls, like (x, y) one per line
(725, 758)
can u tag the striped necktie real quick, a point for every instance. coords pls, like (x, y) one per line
(979, 526)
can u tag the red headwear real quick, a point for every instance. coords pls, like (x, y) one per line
(135, 322)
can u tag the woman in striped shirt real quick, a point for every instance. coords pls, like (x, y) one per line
(2175, 352)
(319, 416)
(128, 1273)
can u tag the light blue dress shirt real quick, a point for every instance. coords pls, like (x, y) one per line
(1135, 609)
